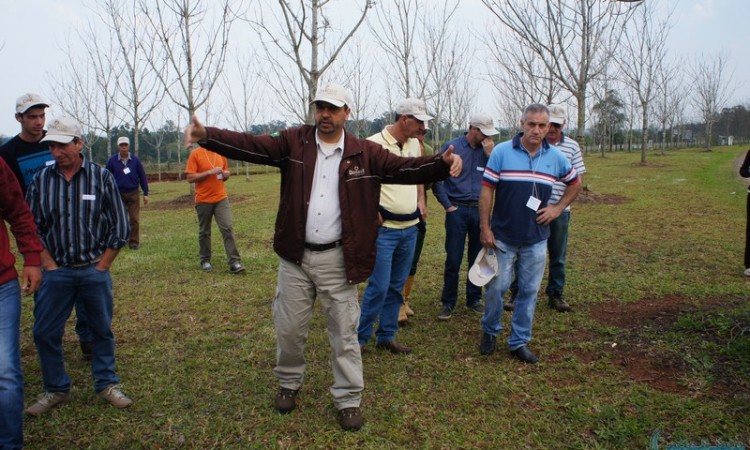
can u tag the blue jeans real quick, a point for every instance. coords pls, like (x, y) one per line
(384, 293)
(531, 260)
(11, 377)
(60, 289)
(557, 246)
(459, 224)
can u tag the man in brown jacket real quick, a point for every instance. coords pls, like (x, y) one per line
(325, 233)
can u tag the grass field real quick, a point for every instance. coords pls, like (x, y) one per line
(658, 345)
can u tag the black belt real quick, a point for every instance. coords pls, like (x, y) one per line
(469, 204)
(82, 264)
(322, 247)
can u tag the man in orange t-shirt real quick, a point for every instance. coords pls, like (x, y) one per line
(209, 171)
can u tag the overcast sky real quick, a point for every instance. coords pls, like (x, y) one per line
(31, 33)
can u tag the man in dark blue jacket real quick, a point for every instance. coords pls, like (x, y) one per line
(129, 174)
(460, 198)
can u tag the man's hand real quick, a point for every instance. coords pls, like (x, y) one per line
(548, 214)
(487, 145)
(487, 237)
(454, 160)
(145, 199)
(194, 132)
(31, 279)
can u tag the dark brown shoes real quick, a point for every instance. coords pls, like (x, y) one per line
(351, 419)
(524, 354)
(557, 303)
(285, 400)
(394, 347)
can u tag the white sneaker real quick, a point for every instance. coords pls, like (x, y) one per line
(115, 397)
(206, 266)
(47, 401)
(747, 272)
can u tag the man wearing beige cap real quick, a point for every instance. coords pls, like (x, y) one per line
(460, 198)
(129, 175)
(325, 233)
(26, 155)
(66, 198)
(399, 211)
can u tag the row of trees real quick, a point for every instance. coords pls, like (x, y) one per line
(151, 64)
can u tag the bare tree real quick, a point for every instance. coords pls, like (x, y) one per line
(194, 50)
(139, 86)
(358, 70)
(394, 29)
(156, 139)
(303, 34)
(641, 51)
(244, 97)
(84, 88)
(449, 86)
(712, 85)
(668, 84)
(428, 56)
(518, 75)
(574, 38)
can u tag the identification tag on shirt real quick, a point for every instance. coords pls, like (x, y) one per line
(126, 171)
(88, 197)
(49, 163)
(533, 203)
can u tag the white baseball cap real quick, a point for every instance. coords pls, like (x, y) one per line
(413, 107)
(485, 267)
(62, 130)
(485, 124)
(123, 140)
(26, 101)
(334, 94)
(557, 114)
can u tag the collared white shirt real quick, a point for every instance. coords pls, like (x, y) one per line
(324, 212)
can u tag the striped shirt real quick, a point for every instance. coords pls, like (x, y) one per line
(78, 219)
(572, 151)
(516, 176)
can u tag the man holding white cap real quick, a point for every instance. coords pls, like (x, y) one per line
(514, 218)
(557, 244)
(460, 198)
(129, 175)
(26, 155)
(325, 234)
(399, 211)
(66, 198)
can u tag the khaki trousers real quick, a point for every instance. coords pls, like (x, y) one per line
(321, 275)
(132, 202)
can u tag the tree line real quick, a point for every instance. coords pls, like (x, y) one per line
(142, 67)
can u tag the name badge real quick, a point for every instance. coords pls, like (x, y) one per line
(533, 203)
(49, 163)
(88, 197)
(126, 171)
(480, 169)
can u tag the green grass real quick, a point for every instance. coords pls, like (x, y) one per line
(195, 350)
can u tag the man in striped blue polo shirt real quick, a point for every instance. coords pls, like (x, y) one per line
(557, 244)
(514, 218)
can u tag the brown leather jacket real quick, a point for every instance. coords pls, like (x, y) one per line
(364, 167)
